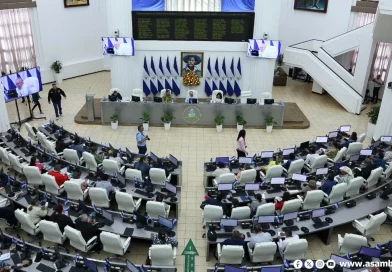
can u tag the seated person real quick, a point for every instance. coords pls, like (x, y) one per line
(331, 154)
(36, 213)
(35, 162)
(388, 154)
(218, 98)
(247, 167)
(279, 201)
(61, 219)
(215, 202)
(289, 161)
(271, 163)
(105, 184)
(78, 146)
(237, 239)
(114, 157)
(56, 173)
(143, 166)
(98, 157)
(76, 177)
(312, 185)
(189, 96)
(260, 199)
(221, 169)
(379, 161)
(115, 96)
(282, 244)
(15, 267)
(260, 237)
(327, 185)
(87, 228)
(310, 158)
(352, 139)
(60, 145)
(161, 238)
(366, 170)
(345, 175)
(167, 97)
(8, 214)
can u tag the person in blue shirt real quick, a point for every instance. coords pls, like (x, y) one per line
(143, 166)
(215, 202)
(289, 161)
(352, 139)
(328, 184)
(237, 239)
(78, 147)
(141, 140)
(379, 161)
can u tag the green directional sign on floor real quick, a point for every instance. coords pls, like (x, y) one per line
(190, 252)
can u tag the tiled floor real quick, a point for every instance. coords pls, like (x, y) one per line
(194, 146)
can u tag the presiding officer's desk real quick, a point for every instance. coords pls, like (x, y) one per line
(201, 114)
(342, 215)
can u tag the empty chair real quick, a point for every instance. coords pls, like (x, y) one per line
(353, 149)
(262, 252)
(354, 186)
(77, 241)
(74, 191)
(337, 193)
(138, 93)
(240, 212)
(224, 178)
(374, 177)
(45, 143)
(388, 172)
(111, 167)
(361, 138)
(291, 206)
(265, 95)
(351, 243)
(90, 160)
(370, 225)
(51, 185)
(318, 162)
(265, 209)
(133, 174)
(25, 223)
(162, 255)
(126, 202)
(212, 213)
(30, 132)
(247, 176)
(51, 232)
(230, 254)
(295, 167)
(99, 197)
(71, 156)
(312, 200)
(339, 156)
(4, 156)
(114, 243)
(33, 175)
(155, 209)
(158, 176)
(272, 172)
(15, 163)
(213, 95)
(295, 250)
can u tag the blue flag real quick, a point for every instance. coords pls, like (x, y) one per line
(168, 66)
(161, 67)
(224, 66)
(214, 87)
(176, 89)
(222, 87)
(230, 90)
(110, 45)
(146, 89)
(207, 88)
(217, 67)
(145, 66)
(175, 66)
(232, 67)
(11, 84)
(160, 86)
(239, 67)
(122, 214)
(76, 258)
(152, 66)
(167, 85)
(209, 67)
(255, 45)
(237, 89)
(216, 267)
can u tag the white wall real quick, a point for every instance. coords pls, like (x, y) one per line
(71, 35)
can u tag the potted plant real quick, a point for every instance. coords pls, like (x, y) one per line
(240, 122)
(269, 123)
(166, 119)
(373, 116)
(56, 67)
(279, 60)
(146, 119)
(219, 119)
(114, 121)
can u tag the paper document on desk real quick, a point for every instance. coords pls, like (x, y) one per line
(64, 170)
(318, 183)
(5, 257)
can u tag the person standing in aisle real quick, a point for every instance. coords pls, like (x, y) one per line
(36, 98)
(55, 95)
(141, 140)
(241, 144)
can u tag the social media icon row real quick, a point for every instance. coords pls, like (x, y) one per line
(309, 264)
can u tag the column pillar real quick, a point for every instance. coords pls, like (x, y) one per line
(267, 14)
(4, 121)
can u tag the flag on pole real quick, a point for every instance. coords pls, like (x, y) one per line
(222, 87)
(152, 66)
(239, 67)
(230, 90)
(207, 88)
(153, 87)
(176, 90)
(237, 89)
(217, 68)
(224, 67)
(146, 73)
(167, 85)
(161, 72)
(232, 67)
(146, 88)
(214, 87)
(160, 86)
(175, 66)
(209, 67)
(168, 69)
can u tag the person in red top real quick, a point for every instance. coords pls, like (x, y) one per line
(35, 162)
(60, 178)
(279, 203)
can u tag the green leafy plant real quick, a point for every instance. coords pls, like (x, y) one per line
(373, 114)
(57, 66)
(167, 117)
(279, 60)
(269, 121)
(114, 118)
(145, 117)
(240, 120)
(219, 119)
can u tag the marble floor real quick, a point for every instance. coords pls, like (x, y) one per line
(194, 146)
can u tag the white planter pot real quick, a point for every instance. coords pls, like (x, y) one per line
(146, 126)
(219, 128)
(167, 126)
(370, 130)
(240, 127)
(269, 129)
(58, 77)
(114, 125)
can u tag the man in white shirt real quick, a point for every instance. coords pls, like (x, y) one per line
(267, 51)
(20, 89)
(377, 85)
(282, 244)
(221, 169)
(310, 158)
(260, 237)
(189, 96)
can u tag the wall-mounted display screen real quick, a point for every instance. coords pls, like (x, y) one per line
(118, 46)
(264, 49)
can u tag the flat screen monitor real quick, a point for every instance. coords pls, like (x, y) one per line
(376, 144)
(129, 153)
(83, 207)
(90, 265)
(339, 260)
(192, 100)
(271, 269)
(252, 187)
(120, 178)
(173, 160)
(135, 98)
(333, 134)
(289, 216)
(304, 145)
(267, 154)
(107, 215)
(299, 177)
(371, 252)
(228, 222)
(345, 128)
(157, 99)
(386, 139)
(225, 186)
(263, 49)
(112, 149)
(322, 171)
(165, 222)
(116, 46)
(251, 101)
(321, 139)
(229, 100)
(224, 160)
(153, 157)
(131, 267)
(21, 84)
(245, 160)
(354, 158)
(288, 151)
(229, 268)
(171, 188)
(277, 181)
(269, 101)
(266, 219)
(365, 152)
(318, 213)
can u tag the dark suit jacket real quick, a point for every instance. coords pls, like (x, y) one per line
(62, 220)
(213, 201)
(144, 168)
(88, 230)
